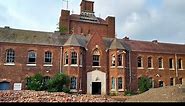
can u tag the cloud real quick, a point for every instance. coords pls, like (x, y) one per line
(139, 19)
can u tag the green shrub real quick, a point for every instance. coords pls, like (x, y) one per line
(128, 93)
(35, 82)
(58, 82)
(113, 93)
(144, 84)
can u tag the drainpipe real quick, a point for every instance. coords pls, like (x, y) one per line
(60, 60)
(130, 72)
(176, 70)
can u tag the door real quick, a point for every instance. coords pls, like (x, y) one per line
(96, 88)
(4, 85)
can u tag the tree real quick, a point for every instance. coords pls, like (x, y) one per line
(144, 84)
(59, 83)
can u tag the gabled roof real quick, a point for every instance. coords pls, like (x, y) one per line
(76, 40)
(116, 44)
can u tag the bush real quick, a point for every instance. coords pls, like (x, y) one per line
(144, 84)
(128, 93)
(58, 83)
(113, 93)
(35, 82)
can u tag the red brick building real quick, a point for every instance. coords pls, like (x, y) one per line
(88, 51)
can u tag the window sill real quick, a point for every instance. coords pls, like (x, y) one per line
(32, 65)
(73, 90)
(121, 90)
(113, 90)
(140, 67)
(9, 64)
(161, 68)
(96, 66)
(66, 65)
(180, 69)
(113, 67)
(120, 67)
(80, 65)
(74, 65)
(172, 69)
(47, 65)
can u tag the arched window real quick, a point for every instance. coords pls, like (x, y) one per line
(150, 62)
(10, 56)
(31, 57)
(48, 57)
(120, 60)
(73, 83)
(113, 63)
(120, 85)
(73, 57)
(139, 61)
(66, 58)
(160, 61)
(96, 58)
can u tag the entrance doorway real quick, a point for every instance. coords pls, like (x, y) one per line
(96, 88)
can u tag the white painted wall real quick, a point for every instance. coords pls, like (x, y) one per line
(92, 77)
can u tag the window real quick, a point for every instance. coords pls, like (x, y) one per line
(96, 58)
(150, 62)
(113, 60)
(73, 57)
(160, 83)
(180, 64)
(171, 63)
(81, 59)
(171, 81)
(180, 80)
(31, 57)
(66, 58)
(120, 83)
(120, 60)
(73, 83)
(10, 56)
(160, 61)
(113, 83)
(48, 57)
(139, 61)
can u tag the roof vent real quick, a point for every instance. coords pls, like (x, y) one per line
(155, 41)
(6, 27)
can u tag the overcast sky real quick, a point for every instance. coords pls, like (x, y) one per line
(163, 20)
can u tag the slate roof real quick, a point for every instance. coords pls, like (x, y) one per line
(9, 35)
(76, 40)
(116, 44)
(157, 47)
